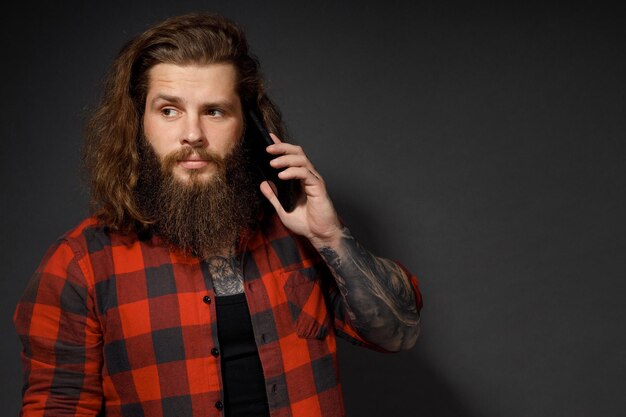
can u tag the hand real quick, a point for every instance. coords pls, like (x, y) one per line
(313, 216)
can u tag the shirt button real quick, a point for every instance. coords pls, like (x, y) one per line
(206, 299)
(219, 405)
(215, 352)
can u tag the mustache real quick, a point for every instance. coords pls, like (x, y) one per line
(186, 152)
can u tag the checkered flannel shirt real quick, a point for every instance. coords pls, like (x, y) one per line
(116, 326)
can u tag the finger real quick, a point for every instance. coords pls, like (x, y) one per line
(284, 148)
(290, 161)
(294, 161)
(275, 138)
(267, 189)
(301, 173)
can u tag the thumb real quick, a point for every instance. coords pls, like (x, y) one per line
(268, 190)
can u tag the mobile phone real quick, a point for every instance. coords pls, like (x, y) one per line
(258, 138)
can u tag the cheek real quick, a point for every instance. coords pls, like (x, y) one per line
(237, 133)
(157, 135)
(227, 138)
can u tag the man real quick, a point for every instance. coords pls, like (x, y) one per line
(186, 293)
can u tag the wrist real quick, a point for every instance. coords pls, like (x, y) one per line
(331, 239)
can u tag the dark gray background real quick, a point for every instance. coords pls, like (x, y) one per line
(482, 146)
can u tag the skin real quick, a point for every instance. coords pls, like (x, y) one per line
(193, 106)
(226, 275)
(198, 106)
(380, 303)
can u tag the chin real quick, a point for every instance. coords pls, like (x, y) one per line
(190, 177)
(194, 180)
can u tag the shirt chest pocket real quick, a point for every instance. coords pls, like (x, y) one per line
(307, 303)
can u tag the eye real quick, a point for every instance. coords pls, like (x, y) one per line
(214, 112)
(169, 112)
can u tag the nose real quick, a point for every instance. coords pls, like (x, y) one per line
(194, 134)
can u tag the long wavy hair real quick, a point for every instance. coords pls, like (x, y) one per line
(112, 134)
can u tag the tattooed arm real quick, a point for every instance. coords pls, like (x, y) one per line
(379, 299)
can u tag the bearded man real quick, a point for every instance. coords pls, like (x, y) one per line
(191, 291)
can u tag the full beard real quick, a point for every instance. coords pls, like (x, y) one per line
(201, 218)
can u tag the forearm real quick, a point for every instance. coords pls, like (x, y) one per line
(378, 297)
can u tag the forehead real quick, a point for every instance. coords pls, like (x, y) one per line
(189, 81)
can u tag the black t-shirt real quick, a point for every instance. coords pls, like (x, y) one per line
(242, 374)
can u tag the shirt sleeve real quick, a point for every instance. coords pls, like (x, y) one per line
(343, 327)
(62, 339)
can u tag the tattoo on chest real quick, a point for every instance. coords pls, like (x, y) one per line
(226, 275)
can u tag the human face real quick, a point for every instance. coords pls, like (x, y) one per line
(193, 111)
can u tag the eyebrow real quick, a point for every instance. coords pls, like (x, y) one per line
(165, 97)
(178, 101)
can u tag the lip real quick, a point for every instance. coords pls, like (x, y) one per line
(193, 163)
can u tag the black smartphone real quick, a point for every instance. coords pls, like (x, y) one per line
(258, 138)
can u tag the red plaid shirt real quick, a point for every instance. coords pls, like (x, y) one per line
(117, 326)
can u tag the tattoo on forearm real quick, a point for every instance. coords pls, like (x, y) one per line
(379, 300)
(226, 276)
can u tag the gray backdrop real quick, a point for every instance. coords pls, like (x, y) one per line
(481, 146)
